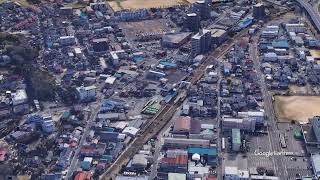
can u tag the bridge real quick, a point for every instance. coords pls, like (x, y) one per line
(313, 13)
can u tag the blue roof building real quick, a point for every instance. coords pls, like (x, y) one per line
(211, 154)
(283, 44)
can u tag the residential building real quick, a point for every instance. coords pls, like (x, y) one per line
(87, 93)
(296, 28)
(67, 40)
(47, 125)
(100, 45)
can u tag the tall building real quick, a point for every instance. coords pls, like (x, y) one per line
(315, 121)
(203, 8)
(201, 42)
(192, 21)
(259, 11)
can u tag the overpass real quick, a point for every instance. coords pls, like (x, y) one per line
(275, 3)
(313, 13)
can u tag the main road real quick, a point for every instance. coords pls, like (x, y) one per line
(93, 114)
(313, 13)
(273, 131)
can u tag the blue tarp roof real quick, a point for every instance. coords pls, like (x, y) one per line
(202, 151)
(280, 44)
(246, 22)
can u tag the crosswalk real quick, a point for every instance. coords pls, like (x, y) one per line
(260, 161)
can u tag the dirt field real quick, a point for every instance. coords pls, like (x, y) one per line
(118, 5)
(299, 108)
(149, 26)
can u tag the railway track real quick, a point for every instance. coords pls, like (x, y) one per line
(156, 124)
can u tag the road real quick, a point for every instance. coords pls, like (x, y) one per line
(93, 114)
(273, 131)
(314, 14)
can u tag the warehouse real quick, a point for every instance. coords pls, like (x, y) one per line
(209, 155)
(185, 143)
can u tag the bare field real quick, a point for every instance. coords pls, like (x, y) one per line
(298, 108)
(118, 5)
(147, 26)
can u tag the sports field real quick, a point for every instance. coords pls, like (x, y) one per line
(298, 108)
(118, 5)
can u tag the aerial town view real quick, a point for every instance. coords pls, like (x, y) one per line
(160, 89)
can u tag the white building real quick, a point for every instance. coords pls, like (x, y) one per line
(270, 57)
(87, 93)
(20, 97)
(246, 124)
(78, 52)
(47, 125)
(315, 160)
(258, 115)
(67, 40)
(201, 42)
(270, 32)
(233, 173)
(297, 28)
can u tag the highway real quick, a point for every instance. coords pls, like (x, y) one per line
(313, 13)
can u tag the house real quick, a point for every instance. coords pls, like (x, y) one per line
(176, 164)
(270, 57)
(67, 40)
(93, 150)
(47, 125)
(3, 154)
(83, 175)
(65, 158)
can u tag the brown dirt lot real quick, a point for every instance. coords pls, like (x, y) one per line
(298, 108)
(118, 5)
(148, 26)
